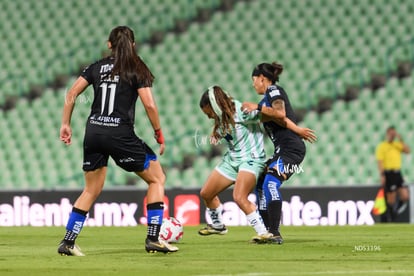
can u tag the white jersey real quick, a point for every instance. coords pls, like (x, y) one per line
(246, 139)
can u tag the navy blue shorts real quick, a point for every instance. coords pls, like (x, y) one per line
(285, 165)
(127, 150)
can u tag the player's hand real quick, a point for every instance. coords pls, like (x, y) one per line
(159, 137)
(248, 107)
(308, 134)
(162, 148)
(214, 140)
(66, 134)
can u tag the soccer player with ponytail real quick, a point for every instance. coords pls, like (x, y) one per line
(289, 149)
(118, 80)
(242, 163)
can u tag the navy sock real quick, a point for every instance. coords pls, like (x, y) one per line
(155, 212)
(275, 212)
(75, 224)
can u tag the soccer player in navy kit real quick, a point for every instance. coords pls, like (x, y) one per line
(289, 148)
(117, 81)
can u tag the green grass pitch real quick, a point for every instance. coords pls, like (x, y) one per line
(382, 249)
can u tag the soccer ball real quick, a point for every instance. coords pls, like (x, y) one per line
(171, 230)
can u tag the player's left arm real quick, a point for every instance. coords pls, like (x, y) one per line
(148, 101)
(305, 133)
(277, 113)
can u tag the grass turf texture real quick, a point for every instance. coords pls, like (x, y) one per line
(337, 250)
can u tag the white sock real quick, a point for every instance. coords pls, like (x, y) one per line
(256, 221)
(216, 216)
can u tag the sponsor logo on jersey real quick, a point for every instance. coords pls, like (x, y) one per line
(106, 68)
(274, 93)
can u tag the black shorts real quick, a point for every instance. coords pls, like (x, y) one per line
(287, 165)
(125, 148)
(393, 180)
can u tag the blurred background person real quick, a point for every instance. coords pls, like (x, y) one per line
(388, 155)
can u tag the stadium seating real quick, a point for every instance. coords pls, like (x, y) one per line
(312, 39)
(349, 133)
(45, 38)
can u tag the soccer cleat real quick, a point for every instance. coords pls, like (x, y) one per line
(159, 246)
(65, 249)
(210, 230)
(276, 239)
(267, 238)
(261, 239)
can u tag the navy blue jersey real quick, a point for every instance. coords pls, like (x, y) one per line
(286, 142)
(114, 99)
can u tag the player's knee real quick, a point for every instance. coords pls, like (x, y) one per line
(204, 194)
(159, 177)
(239, 199)
(91, 194)
(158, 180)
(162, 178)
(244, 204)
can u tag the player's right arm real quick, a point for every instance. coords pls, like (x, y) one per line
(70, 98)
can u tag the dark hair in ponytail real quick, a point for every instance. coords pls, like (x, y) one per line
(222, 124)
(128, 65)
(270, 71)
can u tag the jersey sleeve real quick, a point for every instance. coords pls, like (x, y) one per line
(139, 84)
(274, 93)
(251, 117)
(87, 73)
